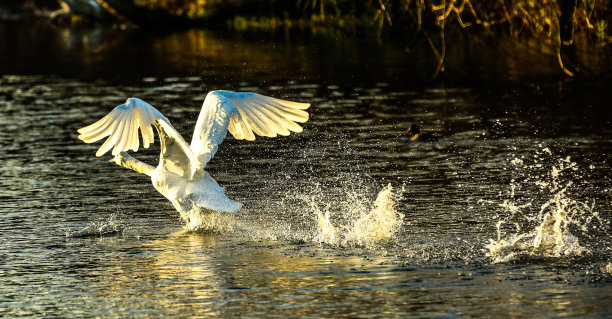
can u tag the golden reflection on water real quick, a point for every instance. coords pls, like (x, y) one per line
(168, 275)
(187, 273)
(202, 52)
(197, 274)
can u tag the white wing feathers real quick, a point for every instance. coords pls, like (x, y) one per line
(122, 125)
(244, 115)
(266, 116)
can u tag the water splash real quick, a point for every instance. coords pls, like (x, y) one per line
(110, 227)
(327, 232)
(554, 229)
(244, 225)
(202, 220)
(362, 223)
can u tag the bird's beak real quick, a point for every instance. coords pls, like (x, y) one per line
(116, 159)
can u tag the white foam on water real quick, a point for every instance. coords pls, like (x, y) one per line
(198, 220)
(551, 230)
(242, 224)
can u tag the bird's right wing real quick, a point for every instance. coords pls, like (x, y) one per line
(243, 113)
(121, 126)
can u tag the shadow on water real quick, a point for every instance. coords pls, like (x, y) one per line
(479, 185)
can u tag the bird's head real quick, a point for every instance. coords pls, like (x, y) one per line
(414, 129)
(117, 159)
(131, 102)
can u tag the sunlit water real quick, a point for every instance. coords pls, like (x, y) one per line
(508, 213)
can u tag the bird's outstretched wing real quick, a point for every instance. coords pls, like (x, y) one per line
(243, 114)
(121, 126)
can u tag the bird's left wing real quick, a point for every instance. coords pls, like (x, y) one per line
(243, 113)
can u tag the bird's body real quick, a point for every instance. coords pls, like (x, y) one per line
(416, 136)
(200, 192)
(180, 174)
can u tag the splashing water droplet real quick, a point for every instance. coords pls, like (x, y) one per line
(327, 232)
(362, 224)
(110, 227)
(200, 220)
(552, 230)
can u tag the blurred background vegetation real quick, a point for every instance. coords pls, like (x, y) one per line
(556, 23)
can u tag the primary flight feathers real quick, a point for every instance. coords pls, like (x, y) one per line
(265, 116)
(243, 114)
(122, 125)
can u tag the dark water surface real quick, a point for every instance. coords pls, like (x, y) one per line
(508, 214)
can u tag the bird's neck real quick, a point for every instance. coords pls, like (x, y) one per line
(128, 161)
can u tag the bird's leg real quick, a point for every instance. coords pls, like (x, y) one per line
(128, 161)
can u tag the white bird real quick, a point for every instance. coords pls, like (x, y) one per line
(180, 175)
